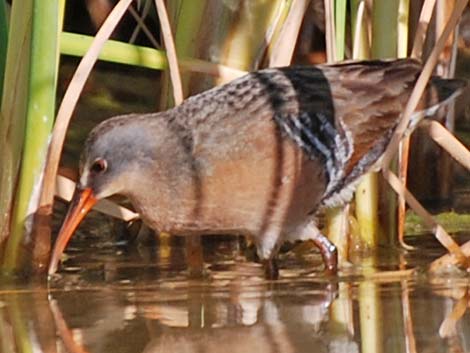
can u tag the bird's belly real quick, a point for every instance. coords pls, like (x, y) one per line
(261, 196)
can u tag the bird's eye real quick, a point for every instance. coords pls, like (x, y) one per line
(99, 166)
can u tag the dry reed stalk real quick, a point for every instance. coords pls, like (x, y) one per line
(361, 43)
(330, 31)
(170, 52)
(448, 142)
(403, 159)
(420, 35)
(444, 238)
(141, 25)
(70, 100)
(283, 50)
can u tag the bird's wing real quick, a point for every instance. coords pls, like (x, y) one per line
(346, 113)
(368, 99)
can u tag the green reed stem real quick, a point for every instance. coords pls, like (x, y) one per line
(39, 100)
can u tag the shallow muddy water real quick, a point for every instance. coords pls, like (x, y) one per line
(111, 297)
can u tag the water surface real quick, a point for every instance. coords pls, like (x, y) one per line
(113, 297)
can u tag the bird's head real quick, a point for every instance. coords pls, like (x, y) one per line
(117, 155)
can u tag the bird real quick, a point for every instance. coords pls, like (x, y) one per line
(259, 156)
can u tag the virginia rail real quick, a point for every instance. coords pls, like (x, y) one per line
(258, 156)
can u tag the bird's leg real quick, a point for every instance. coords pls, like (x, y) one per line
(327, 248)
(328, 252)
(271, 270)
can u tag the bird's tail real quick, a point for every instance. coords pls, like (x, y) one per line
(440, 92)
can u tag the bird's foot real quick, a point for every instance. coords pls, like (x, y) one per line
(329, 253)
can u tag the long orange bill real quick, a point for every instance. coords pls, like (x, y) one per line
(82, 202)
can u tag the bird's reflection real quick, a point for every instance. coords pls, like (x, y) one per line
(188, 317)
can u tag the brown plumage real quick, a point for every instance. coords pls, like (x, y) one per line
(258, 156)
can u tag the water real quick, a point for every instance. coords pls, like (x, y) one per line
(112, 297)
